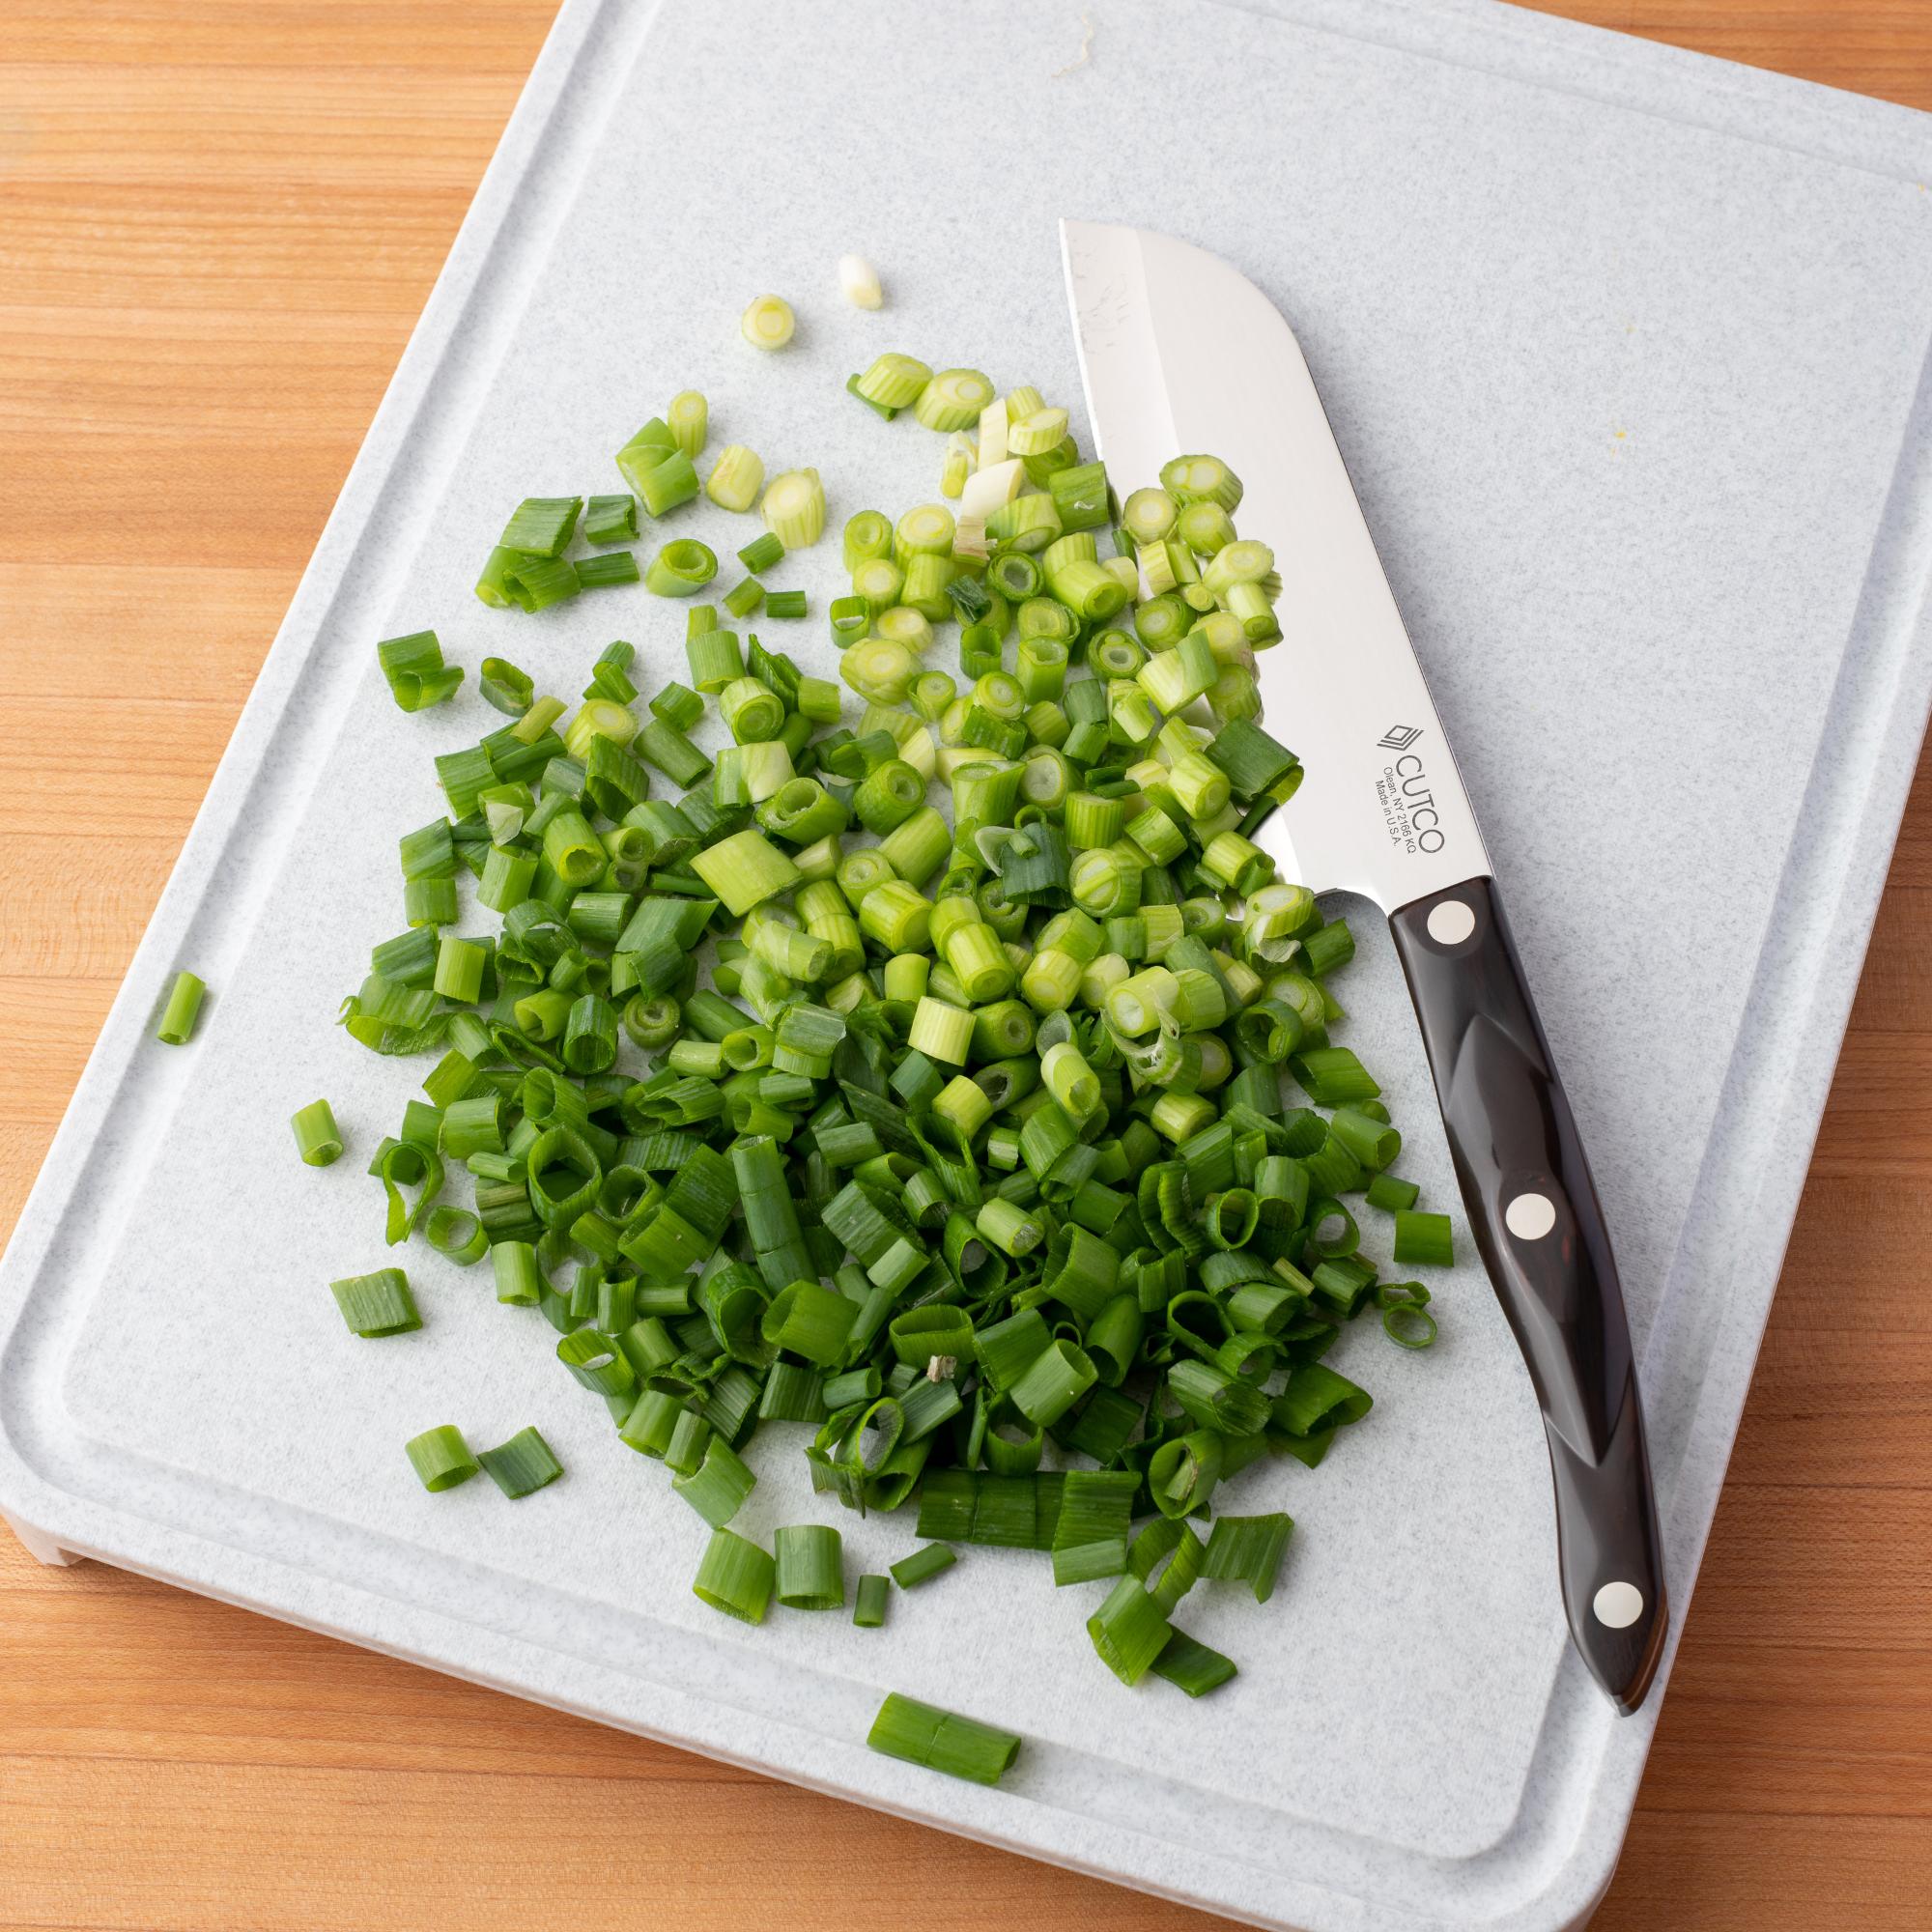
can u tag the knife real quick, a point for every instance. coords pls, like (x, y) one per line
(1181, 354)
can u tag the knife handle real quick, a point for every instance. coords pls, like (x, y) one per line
(1540, 1234)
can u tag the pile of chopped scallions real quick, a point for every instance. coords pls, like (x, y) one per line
(974, 1158)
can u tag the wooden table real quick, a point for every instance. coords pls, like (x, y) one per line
(218, 219)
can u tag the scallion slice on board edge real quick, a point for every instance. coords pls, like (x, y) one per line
(923, 1734)
(981, 1162)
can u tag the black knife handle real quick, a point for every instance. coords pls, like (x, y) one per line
(1540, 1234)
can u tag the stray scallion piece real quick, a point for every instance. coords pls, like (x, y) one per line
(859, 282)
(924, 1734)
(414, 672)
(1423, 1241)
(617, 566)
(1247, 1549)
(377, 1304)
(794, 508)
(318, 1139)
(736, 478)
(869, 1608)
(542, 526)
(894, 380)
(689, 418)
(1390, 1193)
(909, 1572)
(784, 604)
(507, 689)
(441, 1458)
(1191, 1666)
(736, 1576)
(719, 1484)
(178, 1017)
(762, 552)
(810, 1567)
(885, 411)
(614, 519)
(768, 322)
(681, 568)
(1404, 1311)
(525, 1463)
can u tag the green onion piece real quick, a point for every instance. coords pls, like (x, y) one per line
(493, 586)
(542, 526)
(952, 399)
(784, 604)
(718, 1485)
(681, 568)
(1316, 1398)
(715, 660)
(768, 322)
(1166, 1557)
(1331, 1076)
(660, 475)
(1090, 1540)
(810, 1567)
(761, 552)
(736, 478)
(520, 1281)
(1183, 1471)
(1390, 1194)
(429, 901)
(594, 573)
(1129, 1631)
(184, 1003)
(736, 1576)
(1192, 1665)
(318, 1139)
(868, 1610)
(458, 1234)
(377, 1304)
(688, 416)
(924, 1734)
(1423, 1239)
(412, 667)
(744, 870)
(1409, 1324)
(894, 382)
(402, 1165)
(794, 508)
(910, 1572)
(611, 520)
(521, 1465)
(1248, 1549)
(1053, 1382)
(810, 1321)
(441, 1458)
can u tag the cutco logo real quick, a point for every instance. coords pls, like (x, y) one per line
(1408, 799)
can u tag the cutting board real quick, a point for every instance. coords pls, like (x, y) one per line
(1626, 351)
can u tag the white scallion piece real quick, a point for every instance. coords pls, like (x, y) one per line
(859, 282)
(769, 322)
(993, 434)
(988, 490)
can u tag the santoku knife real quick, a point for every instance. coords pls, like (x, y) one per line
(1180, 354)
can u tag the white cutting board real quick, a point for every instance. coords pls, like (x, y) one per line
(1624, 350)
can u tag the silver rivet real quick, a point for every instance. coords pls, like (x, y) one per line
(1451, 923)
(1618, 1606)
(1530, 1216)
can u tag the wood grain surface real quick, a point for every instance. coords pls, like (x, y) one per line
(218, 220)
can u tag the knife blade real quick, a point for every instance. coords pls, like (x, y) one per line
(1181, 354)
